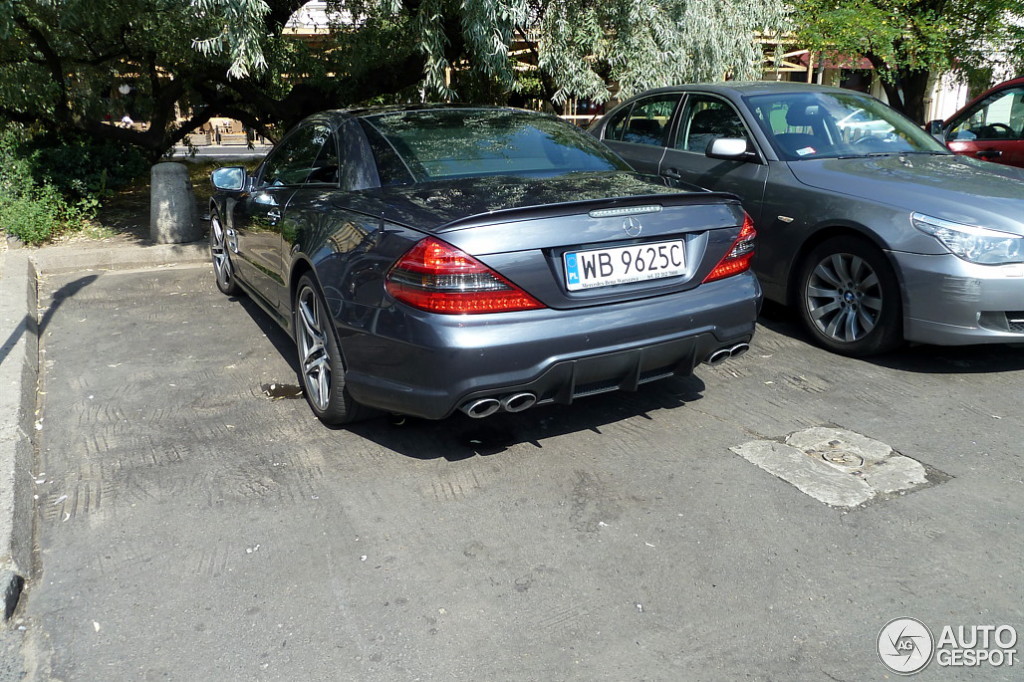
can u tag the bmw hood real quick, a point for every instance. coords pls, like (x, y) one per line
(945, 186)
(431, 206)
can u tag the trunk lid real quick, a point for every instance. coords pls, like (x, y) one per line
(663, 238)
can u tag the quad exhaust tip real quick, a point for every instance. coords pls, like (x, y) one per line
(485, 407)
(718, 357)
(723, 354)
(517, 402)
(738, 350)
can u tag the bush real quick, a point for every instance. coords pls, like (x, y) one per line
(81, 167)
(15, 168)
(41, 215)
(49, 188)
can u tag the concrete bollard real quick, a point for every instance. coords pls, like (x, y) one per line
(172, 210)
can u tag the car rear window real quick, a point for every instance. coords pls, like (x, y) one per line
(452, 143)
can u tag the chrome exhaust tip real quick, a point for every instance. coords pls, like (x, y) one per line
(738, 350)
(482, 407)
(517, 402)
(719, 356)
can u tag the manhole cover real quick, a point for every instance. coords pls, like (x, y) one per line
(843, 458)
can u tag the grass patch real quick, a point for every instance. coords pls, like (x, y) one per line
(97, 232)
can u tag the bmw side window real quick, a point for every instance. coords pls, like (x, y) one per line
(706, 119)
(616, 127)
(292, 162)
(1000, 117)
(649, 120)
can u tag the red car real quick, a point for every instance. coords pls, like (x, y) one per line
(990, 127)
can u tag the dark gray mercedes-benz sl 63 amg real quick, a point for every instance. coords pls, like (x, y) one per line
(433, 259)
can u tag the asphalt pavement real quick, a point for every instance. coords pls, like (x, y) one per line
(189, 524)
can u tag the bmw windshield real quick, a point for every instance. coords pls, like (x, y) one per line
(816, 125)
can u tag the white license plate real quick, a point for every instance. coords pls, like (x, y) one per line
(622, 265)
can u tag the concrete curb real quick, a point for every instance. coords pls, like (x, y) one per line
(73, 258)
(20, 271)
(19, 372)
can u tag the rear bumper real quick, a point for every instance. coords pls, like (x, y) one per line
(948, 301)
(429, 365)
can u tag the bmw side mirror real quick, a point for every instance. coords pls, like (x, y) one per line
(230, 179)
(728, 148)
(934, 129)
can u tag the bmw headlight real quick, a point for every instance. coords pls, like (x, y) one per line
(974, 244)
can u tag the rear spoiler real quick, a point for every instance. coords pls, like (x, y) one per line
(587, 205)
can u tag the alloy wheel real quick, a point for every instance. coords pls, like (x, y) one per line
(222, 268)
(313, 351)
(844, 297)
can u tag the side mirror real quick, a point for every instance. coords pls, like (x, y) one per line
(728, 148)
(230, 179)
(934, 129)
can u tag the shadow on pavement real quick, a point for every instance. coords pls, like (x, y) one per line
(917, 358)
(59, 296)
(460, 437)
(982, 359)
(273, 331)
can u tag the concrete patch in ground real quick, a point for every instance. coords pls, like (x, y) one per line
(835, 466)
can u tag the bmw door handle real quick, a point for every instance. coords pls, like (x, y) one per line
(672, 174)
(990, 153)
(273, 216)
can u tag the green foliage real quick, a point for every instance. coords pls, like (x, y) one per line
(649, 44)
(81, 167)
(35, 210)
(899, 33)
(909, 40)
(580, 46)
(238, 33)
(77, 65)
(40, 214)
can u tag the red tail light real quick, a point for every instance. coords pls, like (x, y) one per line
(738, 258)
(439, 278)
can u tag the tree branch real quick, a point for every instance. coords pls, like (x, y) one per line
(280, 12)
(53, 62)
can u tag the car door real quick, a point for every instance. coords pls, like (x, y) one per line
(702, 119)
(258, 216)
(992, 130)
(639, 133)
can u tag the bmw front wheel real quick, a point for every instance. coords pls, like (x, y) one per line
(850, 298)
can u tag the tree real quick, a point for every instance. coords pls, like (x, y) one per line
(910, 42)
(76, 66)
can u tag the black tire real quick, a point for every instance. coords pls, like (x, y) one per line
(223, 268)
(321, 368)
(849, 298)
